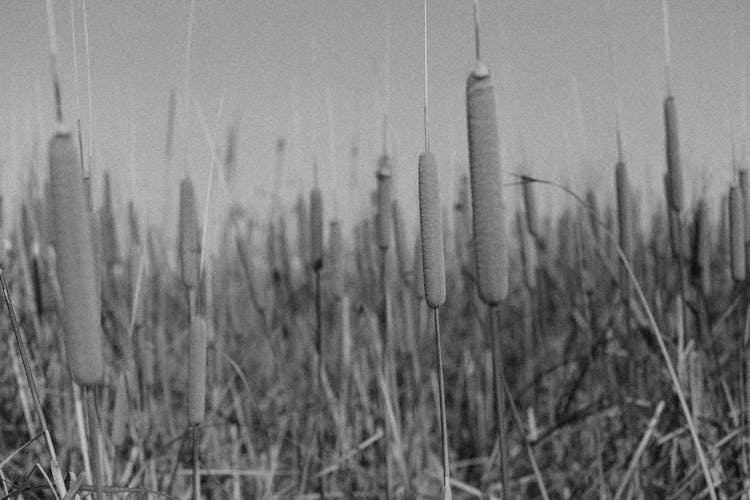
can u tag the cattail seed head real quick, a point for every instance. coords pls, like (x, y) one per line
(336, 250)
(529, 202)
(120, 413)
(737, 233)
(490, 250)
(593, 213)
(674, 166)
(197, 371)
(418, 270)
(76, 269)
(431, 225)
(107, 226)
(383, 215)
(135, 233)
(316, 229)
(303, 230)
(399, 233)
(624, 222)
(701, 246)
(189, 237)
(527, 252)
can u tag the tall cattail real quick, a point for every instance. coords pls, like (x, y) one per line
(303, 230)
(624, 222)
(110, 247)
(418, 270)
(674, 167)
(76, 269)
(701, 246)
(135, 233)
(675, 225)
(383, 215)
(431, 225)
(486, 188)
(197, 371)
(120, 413)
(530, 206)
(593, 213)
(316, 229)
(399, 233)
(336, 251)
(189, 237)
(527, 252)
(744, 183)
(737, 233)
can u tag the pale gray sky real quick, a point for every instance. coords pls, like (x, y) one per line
(274, 60)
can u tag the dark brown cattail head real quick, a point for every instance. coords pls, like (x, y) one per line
(418, 270)
(107, 226)
(316, 229)
(526, 248)
(303, 230)
(431, 226)
(624, 222)
(383, 215)
(399, 233)
(737, 233)
(135, 232)
(490, 249)
(675, 195)
(189, 236)
(593, 213)
(76, 269)
(529, 202)
(700, 266)
(336, 252)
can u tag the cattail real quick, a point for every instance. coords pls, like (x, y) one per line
(530, 205)
(197, 371)
(737, 233)
(189, 239)
(486, 188)
(384, 202)
(674, 167)
(135, 234)
(593, 213)
(742, 176)
(624, 223)
(722, 245)
(399, 232)
(146, 363)
(316, 229)
(303, 230)
(431, 225)
(527, 252)
(110, 248)
(157, 254)
(120, 413)
(336, 250)
(76, 269)
(675, 225)
(419, 289)
(701, 264)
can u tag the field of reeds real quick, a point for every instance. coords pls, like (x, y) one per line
(481, 350)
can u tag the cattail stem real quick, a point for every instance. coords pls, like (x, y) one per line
(94, 441)
(447, 495)
(54, 465)
(497, 367)
(196, 464)
(319, 374)
(385, 365)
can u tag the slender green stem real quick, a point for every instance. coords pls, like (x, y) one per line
(447, 495)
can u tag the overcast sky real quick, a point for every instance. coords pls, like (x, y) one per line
(275, 62)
